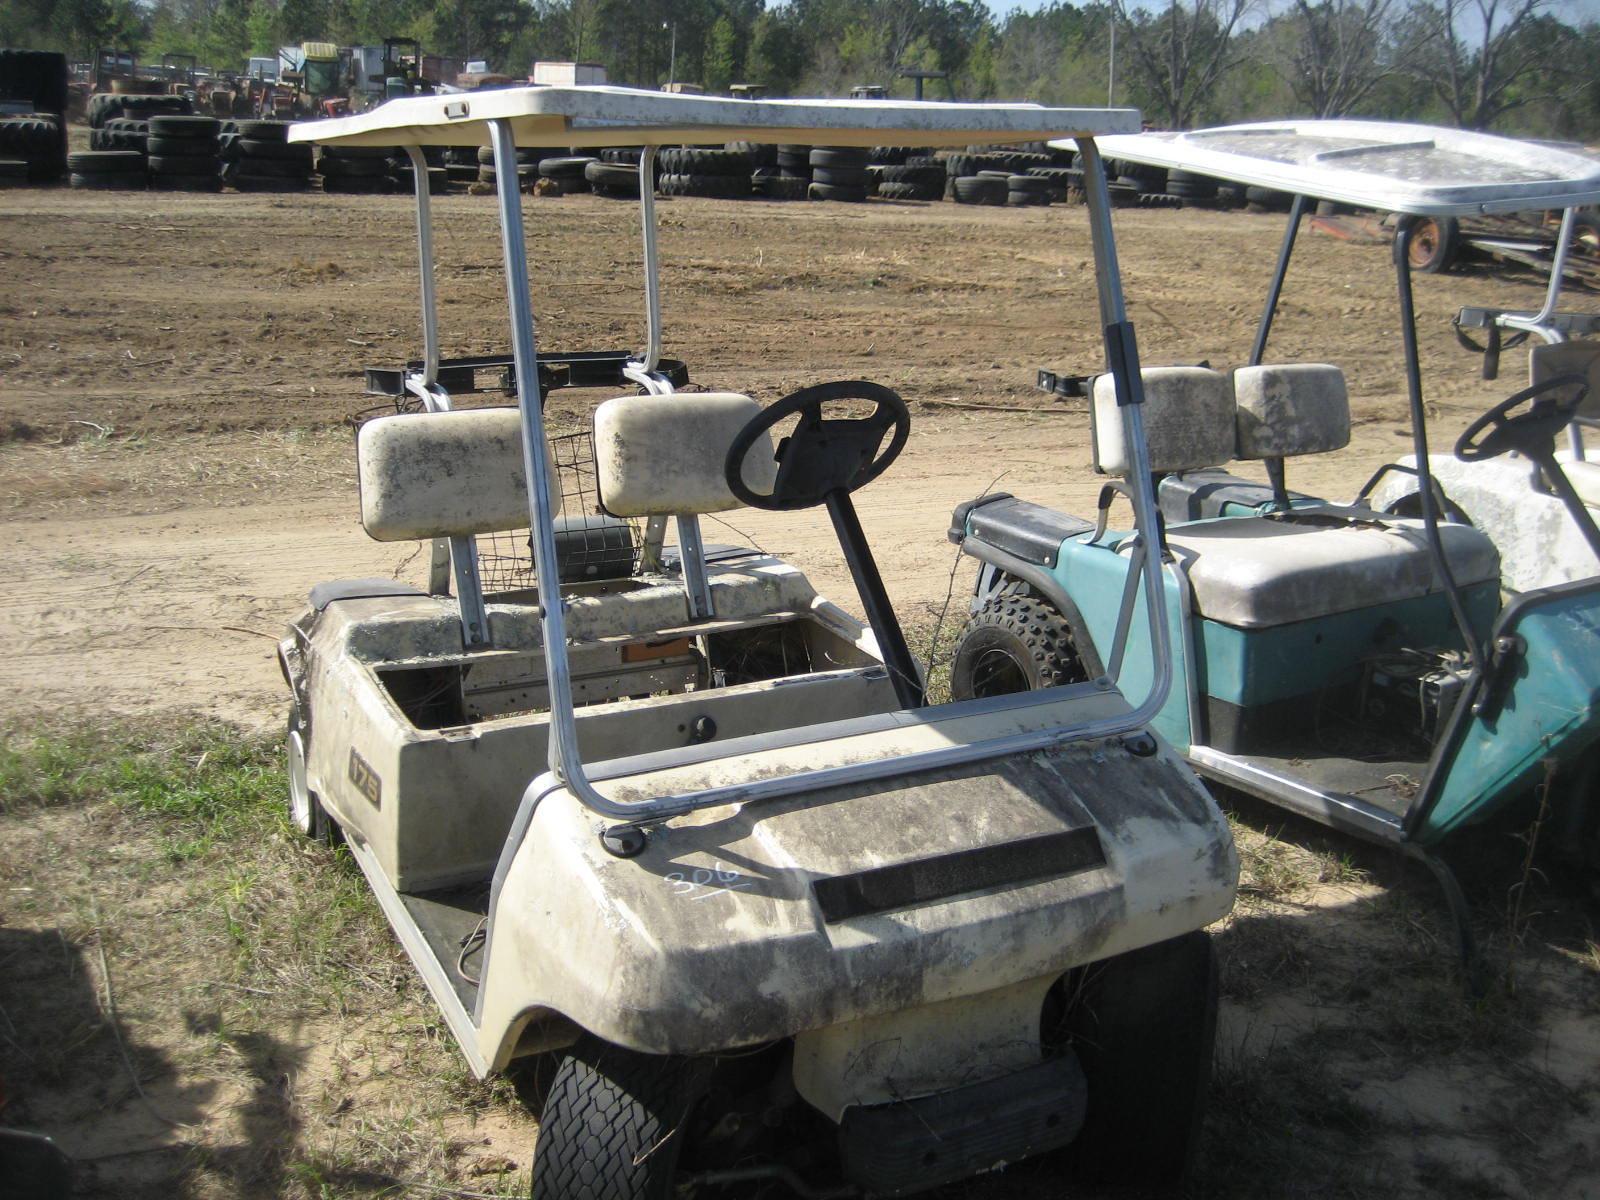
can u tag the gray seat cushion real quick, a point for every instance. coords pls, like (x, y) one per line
(1260, 572)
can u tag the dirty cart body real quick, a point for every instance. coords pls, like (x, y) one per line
(1353, 662)
(692, 831)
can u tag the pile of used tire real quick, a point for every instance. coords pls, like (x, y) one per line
(905, 173)
(527, 168)
(354, 170)
(563, 175)
(1191, 188)
(461, 164)
(401, 178)
(35, 80)
(257, 156)
(763, 158)
(838, 173)
(790, 178)
(714, 172)
(1060, 182)
(984, 176)
(30, 146)
(615, 173)
(108, 106)
(120, 170)
(121, 133)
(184, 152)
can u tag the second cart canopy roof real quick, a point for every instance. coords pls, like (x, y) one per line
(1426, 170)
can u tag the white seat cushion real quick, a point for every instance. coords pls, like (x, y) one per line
(1259, 572)
(664, 455)
(1297, 408)
(1188, 420)
(445, 474)
(1585, 477)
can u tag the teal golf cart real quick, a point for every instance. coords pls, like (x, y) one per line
(1360, 667)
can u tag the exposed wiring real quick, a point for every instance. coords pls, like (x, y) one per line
(471, 944)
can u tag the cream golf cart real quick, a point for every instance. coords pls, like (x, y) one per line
(664, 815)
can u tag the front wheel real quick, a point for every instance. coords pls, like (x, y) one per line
(1014, 643)
(306, 813)
(614, 1124)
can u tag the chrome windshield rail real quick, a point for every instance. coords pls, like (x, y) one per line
(565, 761)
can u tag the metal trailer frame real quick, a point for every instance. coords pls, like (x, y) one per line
(600, 116)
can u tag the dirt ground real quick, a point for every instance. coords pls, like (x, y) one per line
(177, 374)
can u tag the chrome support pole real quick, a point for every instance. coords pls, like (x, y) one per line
(564, 760)
(652, 259)
(1122, 359)
(430, 303)
(456, 556)
(1552, 293)
(692, 562)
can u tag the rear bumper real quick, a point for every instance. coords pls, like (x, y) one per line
(903, 1147)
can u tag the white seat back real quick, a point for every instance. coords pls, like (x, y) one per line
(1288, 410)
(445, 474)
(1188, 420)
(1569, 358)
(664, 455)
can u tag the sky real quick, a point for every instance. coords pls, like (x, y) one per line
(1576, 11)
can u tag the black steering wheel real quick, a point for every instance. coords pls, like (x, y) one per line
(823, 456)
(1532, 432)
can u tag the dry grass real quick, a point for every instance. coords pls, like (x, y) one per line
(283, 1047)
(283, 1044)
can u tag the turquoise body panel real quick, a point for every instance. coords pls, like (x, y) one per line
(1549, 707)
(1548, 710)
(1250, 667)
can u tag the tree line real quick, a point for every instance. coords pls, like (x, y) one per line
(1508, 65)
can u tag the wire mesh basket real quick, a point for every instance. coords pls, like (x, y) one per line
(589, 544)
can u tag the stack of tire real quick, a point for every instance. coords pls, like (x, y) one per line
(121, 133)
(527, 167)
(1141, 177)
(1029, 191)
(839, 173)
(1060, 181)
(461, 164)
(763, 158)
(108, 106)
(400, 171)
(258, 157)
(1265, 200)
(33, 143)
(714, 173)
(36, 79)
(791, 179)
(982, 187)
(354, 170)
(1191, 188)
(914, 177)
(563, 175)
(185, 154)
(618, 180)
(119, 170)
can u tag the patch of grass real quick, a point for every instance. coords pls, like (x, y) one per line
(206, 781)
(262, 999)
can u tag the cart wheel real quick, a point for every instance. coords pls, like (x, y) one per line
(1144, 1026)
(1014, 643)
(306, 813)
(1434, 243)
(615, 1123)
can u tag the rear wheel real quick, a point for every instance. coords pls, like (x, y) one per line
(1014, 643)
(1144, 1026)
(614, 1124)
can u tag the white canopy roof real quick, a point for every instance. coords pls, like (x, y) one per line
(1423, 169)
(614, 116)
